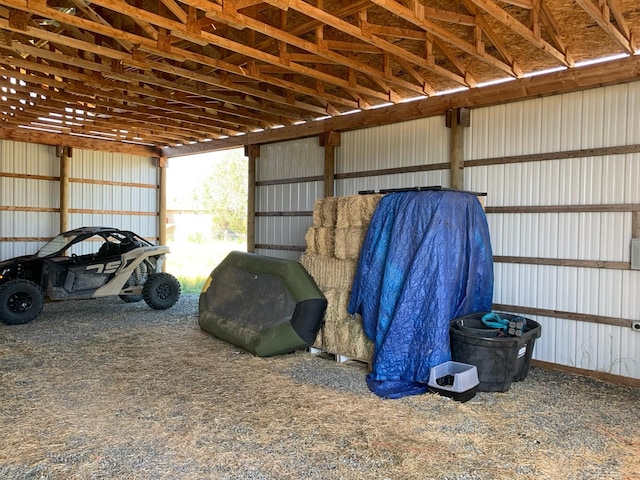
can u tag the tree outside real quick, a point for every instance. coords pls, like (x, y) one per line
(207, 213)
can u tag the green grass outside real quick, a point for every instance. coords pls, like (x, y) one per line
(191, 263)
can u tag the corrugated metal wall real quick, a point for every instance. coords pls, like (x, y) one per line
(114, 190)
(564, 219)
(29, 197)
(593, 119)
(287, 188)
(408, 144)
(107, 189)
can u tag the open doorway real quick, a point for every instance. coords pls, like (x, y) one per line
(206, 213)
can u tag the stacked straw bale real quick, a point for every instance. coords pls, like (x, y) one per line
(333, 247)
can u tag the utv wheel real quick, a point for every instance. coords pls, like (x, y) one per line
(161, 291)
(20, 302)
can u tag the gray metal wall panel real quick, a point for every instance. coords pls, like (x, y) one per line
(292, 159)
(591, 119)
(283, 230)
(288, 197)
(22, 197)
(417, 142)
(284, 161)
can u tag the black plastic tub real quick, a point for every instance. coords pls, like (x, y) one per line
(474, 326)
(500, 360)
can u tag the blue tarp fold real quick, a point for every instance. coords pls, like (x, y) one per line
(426, 259)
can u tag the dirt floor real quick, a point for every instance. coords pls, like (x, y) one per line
(101, 389)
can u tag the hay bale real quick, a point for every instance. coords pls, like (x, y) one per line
(310, 240)
(330, 272)
(342, 334)
(328, 212)
(325, 241)
(317, 213)
(348, 242)
(356, 210)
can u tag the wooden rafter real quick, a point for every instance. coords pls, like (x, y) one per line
(169, 72)
(602, 16)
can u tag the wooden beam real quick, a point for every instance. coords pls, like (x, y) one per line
(162, 205)
(44, 138)
(253, 154)
(522, 30)
(569, 80)
(605, 23)
(421, 20)
(329, 140)
(456, 147)
(64, 187)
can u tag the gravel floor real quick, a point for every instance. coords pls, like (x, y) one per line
(101, 389)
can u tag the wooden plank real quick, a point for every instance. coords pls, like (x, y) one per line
(162, 207)
(29, 176)
(456, 150)
(539, 157)
(394, 171)
(564, 262)
(287, 181)
(114, 183)
(44, 138)
(285, 214)
(253, 152)
(113, 212)
(581, 317)
(64, 189)
(596, 208)
(14, 208)
(604, 376)
(286, 248)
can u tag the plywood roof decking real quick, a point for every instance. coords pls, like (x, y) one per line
(174, 72)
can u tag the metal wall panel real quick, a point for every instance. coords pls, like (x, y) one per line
(132, 206)
(113, 167)
(417, 142)
(285, 161)
(594, 118)
(288, 197)
(292, 159)
(21, 197)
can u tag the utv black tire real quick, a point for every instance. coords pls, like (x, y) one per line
(161, 291)
(20, 301)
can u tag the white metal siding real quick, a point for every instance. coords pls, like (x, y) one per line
(293, 159)
(597, 118)
(602, 117)
(132, 206)
(21, 198)
(18, 195)
(298, 159)
(407, 144)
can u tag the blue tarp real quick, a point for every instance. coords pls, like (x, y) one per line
(426, 259)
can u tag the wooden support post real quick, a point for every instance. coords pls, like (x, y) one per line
(635, 225)
(329, 140)
(456, 119)
(64, 153)
(162, 205)
(253, 152)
